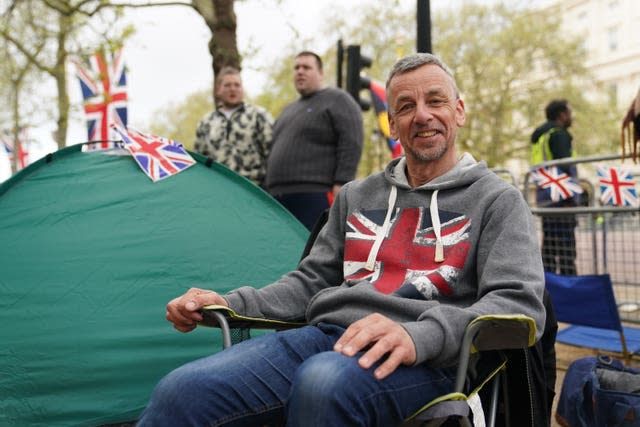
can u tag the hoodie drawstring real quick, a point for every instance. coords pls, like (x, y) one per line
(373, 253)
(382, 233)
(437, 228)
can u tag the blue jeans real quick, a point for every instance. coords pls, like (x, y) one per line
(294, 377)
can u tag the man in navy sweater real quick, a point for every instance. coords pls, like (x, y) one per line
(317, 143)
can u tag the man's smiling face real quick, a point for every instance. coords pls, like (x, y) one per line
(425, 114)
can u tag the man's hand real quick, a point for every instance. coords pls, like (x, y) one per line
(183, 311)
(385, 337)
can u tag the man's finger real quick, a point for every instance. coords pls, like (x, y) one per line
(198, 300)
(375, 353)
(357, 340)
(359, 335)
(183, 311)
(392, 362)
(177, 312)
(185, 328)
(175, 317)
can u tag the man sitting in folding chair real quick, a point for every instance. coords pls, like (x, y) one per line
(407, 259)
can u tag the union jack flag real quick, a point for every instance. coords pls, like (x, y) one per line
(158, 157)
(560, 185)
(617, 187)
(23, 151)
(104, 90)
(405, 264)
(379, 100)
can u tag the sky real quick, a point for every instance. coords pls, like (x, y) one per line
(168, 58)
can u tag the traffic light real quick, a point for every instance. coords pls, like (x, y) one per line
(339, 62)
(355, 80)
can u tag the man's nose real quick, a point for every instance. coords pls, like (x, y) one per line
(423, 113)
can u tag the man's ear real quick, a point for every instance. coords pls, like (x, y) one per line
(461, 115)
(392, 126)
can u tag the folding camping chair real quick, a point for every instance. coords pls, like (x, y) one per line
(482, 362)
(489, 344)
(588, 304)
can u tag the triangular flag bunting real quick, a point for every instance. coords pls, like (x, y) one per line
(559, 185)
(617, 186)
(158, 157)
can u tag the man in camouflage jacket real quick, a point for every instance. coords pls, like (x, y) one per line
(236, 134)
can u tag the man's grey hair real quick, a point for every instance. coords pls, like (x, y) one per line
(417, 60)
(226, 71)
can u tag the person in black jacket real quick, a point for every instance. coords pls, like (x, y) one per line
(630, 135)
(552, 141)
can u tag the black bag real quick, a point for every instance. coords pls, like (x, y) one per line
(599, 391)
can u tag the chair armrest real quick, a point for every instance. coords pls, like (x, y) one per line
(494, 332)
(225, 318)
(502, 332)
(236, 320)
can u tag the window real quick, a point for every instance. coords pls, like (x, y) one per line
(613, 39)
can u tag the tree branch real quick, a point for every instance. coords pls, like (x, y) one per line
(30, 57)
(65, 8)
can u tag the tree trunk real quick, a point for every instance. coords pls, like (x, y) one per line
(220, 17)
(60, 76)
(15, 107)
(223, 45)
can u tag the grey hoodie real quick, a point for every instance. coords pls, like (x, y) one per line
(432, 258)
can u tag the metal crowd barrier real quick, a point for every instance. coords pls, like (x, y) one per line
(607, 238)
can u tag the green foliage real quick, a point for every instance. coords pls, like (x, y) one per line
(279, 90)
(381, 30)
(509, 63)
(18, 76)
(508, 69)
(179, 121)
(45, 35)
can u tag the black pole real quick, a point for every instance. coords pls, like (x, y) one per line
(423, 20)
(339, 64)
(353, 71)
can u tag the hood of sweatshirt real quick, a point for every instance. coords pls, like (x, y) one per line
(465, 171)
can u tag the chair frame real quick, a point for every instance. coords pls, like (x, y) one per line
(490, 333)
(483, 334)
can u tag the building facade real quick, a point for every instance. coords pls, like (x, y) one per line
(610, 31)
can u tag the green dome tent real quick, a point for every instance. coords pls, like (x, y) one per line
(91, 250)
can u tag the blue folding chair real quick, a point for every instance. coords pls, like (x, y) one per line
(588, 304)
